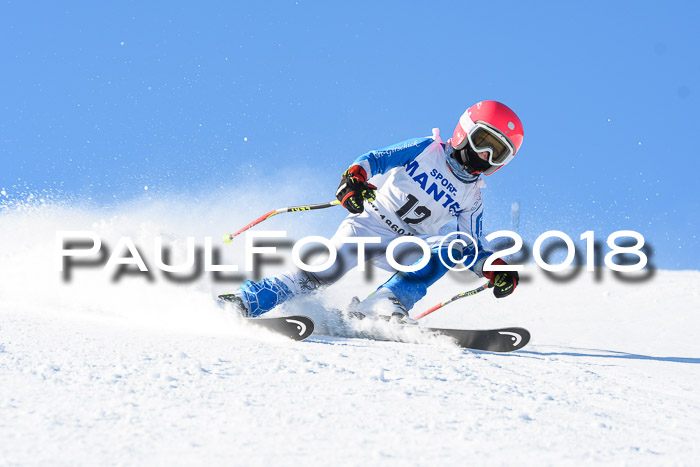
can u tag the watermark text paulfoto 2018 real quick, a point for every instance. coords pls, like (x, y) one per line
(85, 249)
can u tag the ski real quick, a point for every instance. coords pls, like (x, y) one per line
(295, 327)
(489, 340)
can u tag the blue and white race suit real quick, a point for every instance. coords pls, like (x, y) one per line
(420, 197)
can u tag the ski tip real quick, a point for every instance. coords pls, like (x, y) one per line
(517, 338)
(296, 327)
(304, 326)
(489, 340)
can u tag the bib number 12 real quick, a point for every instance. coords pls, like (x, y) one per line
(410, 207)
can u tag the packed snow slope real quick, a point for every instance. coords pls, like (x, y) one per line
(138, 371)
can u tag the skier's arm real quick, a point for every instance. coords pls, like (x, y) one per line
(354, 189)
(470, 223)
(380, 161)
(503, 282)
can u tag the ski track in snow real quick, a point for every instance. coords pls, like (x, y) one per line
(94, 372)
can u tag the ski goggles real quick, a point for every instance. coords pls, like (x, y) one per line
(484, 137)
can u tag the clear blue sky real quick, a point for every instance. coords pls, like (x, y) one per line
(100, 100)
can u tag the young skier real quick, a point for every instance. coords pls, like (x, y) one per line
(430, 184)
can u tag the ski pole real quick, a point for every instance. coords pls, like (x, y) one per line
(228, 238)
(456, 297)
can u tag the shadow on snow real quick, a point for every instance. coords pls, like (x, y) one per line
(611, 354)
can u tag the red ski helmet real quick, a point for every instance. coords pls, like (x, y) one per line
(493, 127)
